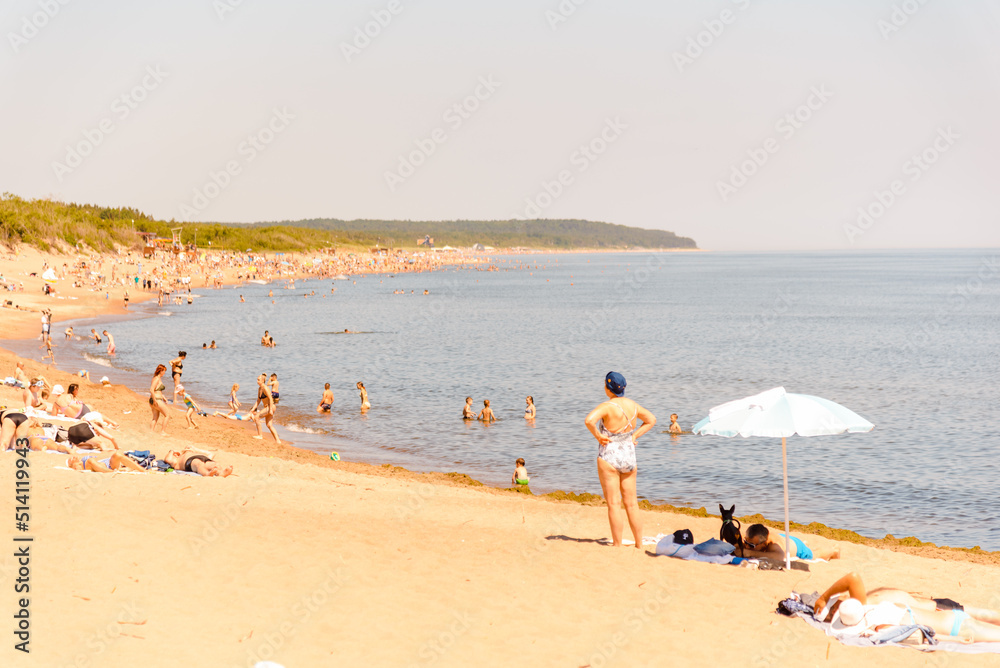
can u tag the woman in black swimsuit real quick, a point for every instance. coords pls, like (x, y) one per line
(13, 425)
(188, 460)
(157, 402)
(176, 369)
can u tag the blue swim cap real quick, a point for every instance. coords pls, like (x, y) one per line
(615, 382)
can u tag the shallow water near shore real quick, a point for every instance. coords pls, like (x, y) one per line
(907, 339)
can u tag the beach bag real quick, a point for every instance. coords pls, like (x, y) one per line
(715, 548)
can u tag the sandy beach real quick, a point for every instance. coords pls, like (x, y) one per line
(305, 561)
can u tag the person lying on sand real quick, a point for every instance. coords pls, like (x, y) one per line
(116, 462)
(867, 611)
(195, 462)
(759, 544)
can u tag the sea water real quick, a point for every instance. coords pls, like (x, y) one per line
(907, 339)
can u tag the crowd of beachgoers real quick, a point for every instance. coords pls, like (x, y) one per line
(69, 421)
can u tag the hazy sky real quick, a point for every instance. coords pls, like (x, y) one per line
(747, 124)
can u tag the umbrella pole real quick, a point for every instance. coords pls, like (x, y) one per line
(784, 469)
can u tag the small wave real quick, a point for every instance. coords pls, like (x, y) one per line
(100, 361)
(303, 430)
(165, 313)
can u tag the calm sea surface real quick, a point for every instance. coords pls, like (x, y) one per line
(907, 339)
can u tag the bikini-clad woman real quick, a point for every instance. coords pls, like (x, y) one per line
(176, 370)
(529, 408)
(264, 407)
(157, 402)
(13, 425)
(614, 424)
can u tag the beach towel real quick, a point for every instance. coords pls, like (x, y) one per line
(893, 635)
(665, 546)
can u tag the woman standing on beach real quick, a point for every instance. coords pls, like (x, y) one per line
(613, 424)
(157, 402)
(364, 396)
(177, 370)
(264, 407)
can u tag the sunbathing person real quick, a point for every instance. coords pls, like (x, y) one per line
(867, 611)
(116, 462)
(195, 462)
(759, 544)
(13, 425)
(41, 438)
(84, 435)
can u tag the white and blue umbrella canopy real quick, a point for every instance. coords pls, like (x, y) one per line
(779, 414)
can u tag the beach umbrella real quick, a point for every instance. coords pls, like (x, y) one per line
(777, 413)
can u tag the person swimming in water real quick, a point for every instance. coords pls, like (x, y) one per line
(529, 408)
(674, 428)
(364, 396)
(614, 424)
(326, 403)
(486, 415)
(467, 412)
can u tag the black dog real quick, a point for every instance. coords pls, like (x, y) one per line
(730, 531)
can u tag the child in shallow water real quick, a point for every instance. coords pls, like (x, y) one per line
(234, 403)
(520, 475)
(486, 415)
(674, 428)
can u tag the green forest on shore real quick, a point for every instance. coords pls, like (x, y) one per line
(51, 225)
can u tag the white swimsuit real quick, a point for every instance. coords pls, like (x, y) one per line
(620, 450)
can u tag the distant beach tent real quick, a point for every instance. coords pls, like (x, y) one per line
(50, 276)
(478, 247)
(777, 413)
